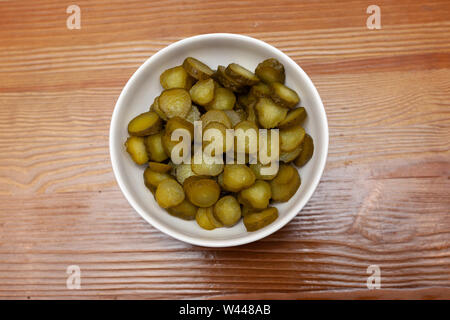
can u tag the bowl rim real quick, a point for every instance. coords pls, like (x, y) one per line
(251, 236)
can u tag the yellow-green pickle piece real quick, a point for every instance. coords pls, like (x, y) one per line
(153, 178)
(210, 213)
(270, 70)
(257, 220)
(202, 92)
(176, 77)
(285, 184)
(227, 210)
(203, 219)
(154, 147)
(260, 90)
(293, 117)
(224, 99)
(202, 192)
(145, 124)
(283, 95)
(228, 82)
(175, 102)
(307, 151)
(169, 193)
(185, 210)
(159, 167)
(227, 98)
(269, 113)
(136, 148)
(256, 196)
(241, 75)
(197, 69)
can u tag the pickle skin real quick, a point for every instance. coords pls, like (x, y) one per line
(231, 97)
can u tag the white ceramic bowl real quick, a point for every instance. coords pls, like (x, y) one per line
(144, 86)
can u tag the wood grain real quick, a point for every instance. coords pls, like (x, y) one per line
(384, 198)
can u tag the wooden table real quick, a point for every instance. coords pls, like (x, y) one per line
(383, 200)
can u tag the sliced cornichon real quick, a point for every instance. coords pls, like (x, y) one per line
(175, 102)
(202, 92)
(218, 194)
(283, 95)
(291, 138)
(136, 148)
(176, 77)
(269, 113)
(307, 151)
(197, 69)
(270, 70)
(241, 75)
(257, 220)
(159, 167)
(224, 99)
(227, 81)
(293, 117)
(260, 90)
(145, 124)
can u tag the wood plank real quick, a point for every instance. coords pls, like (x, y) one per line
(33, 22)
(344, 50)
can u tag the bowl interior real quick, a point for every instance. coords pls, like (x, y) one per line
(144, 86)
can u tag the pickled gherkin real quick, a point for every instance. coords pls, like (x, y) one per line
(228, 211)
(202, 92)
(291, 138)
(155, 148)
(269, 113)
(241, 75)
(197, 69)
(159, 167)
(185, 210)
(270, 70)
(145, 124)
(153, 178)
(285, 184)
(175, 102)
(228, 82)
(293, 117)
(237, 177)
(258, 220)
(169, 193)
(176, 77)
(284, 96)
(201, 191)
(256, 196)
(203, 219)
(224, 100)
(136, 148)
(307, 151)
